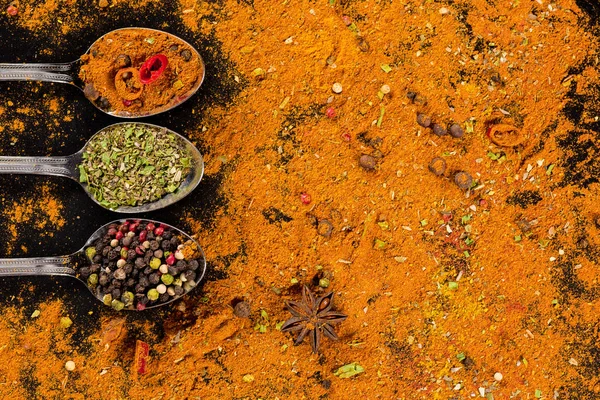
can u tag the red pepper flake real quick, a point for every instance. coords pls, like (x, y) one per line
(12, 10)
(142, 352)
(305, 198)
(447, 217)
(330, 112)
(153, 68)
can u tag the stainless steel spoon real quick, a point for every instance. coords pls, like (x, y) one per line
(69, 73)
(68, 167)
(70, 265)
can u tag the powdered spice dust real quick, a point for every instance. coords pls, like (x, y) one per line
(486, 292)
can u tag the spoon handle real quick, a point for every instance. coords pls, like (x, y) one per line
(36, 266)
(37, 72)
(55, 166)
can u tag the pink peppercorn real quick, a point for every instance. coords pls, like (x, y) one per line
(119, 235)
(171, 259)
(150, 226)
(347, 20)
(330, 112)
(12, 10)
(159, 231)
(143, 235)
(112, 232)
(140, 307)
(132, 227)
(346, 137)
(305, 198)
(126, 103)
(140, 251)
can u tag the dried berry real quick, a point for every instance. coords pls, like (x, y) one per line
(463, 180)
(242, 309)
(423, 120)
(367, 162)
(456, 131)
(439, 130)
(437, 166)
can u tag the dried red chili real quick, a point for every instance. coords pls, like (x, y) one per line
(153, 68)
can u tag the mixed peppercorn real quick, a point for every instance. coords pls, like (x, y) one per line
(137, 264)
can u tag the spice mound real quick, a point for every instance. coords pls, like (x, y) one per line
(138, 264)
(133, 164)
(136, 71)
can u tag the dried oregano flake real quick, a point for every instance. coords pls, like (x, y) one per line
(133, 164)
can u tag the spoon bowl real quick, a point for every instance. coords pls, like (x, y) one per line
(75, 265)
(70, 73)
(68, 167)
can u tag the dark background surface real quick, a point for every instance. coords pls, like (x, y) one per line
(81, 214)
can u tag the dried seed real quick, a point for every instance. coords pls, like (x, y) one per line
(367, 162)
(242, 309)
(456, 131)
(463, 180)
(439, 130)
(437, 166)
(423, 120)
(337, 88)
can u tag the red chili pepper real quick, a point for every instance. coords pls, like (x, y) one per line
(153, 68)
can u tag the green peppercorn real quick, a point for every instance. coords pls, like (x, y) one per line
(127, 298)
(90, 252)
(177, 282)
(167, 279)
(117, 305)
(107, 299)
(154, 263)
(92, 280)
(324, 282)
(152, 294)
(124, 253)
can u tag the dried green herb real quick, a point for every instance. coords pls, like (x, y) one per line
(133, 164)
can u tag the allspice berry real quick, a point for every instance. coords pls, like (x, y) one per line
(456, 131)
(367, 162)
(437, 166)
(242, 309)
(439, 130)
(463, 180)
(423, 120)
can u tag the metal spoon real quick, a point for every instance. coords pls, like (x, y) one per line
(70, 265)
(68, 167)
(69, 73)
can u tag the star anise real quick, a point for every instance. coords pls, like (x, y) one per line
(312, 316)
